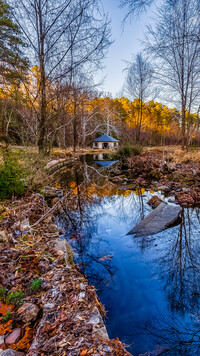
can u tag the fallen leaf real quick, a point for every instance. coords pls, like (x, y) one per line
(25, 342)
(6, 328)
(106, 257)
(5, 308)
(28, 244)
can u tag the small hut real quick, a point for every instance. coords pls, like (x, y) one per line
(104, 142)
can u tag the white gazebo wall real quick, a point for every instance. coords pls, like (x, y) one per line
(97, 145)
(100, 145)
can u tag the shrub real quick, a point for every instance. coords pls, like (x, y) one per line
(15, 298)
(2, 293)
(11, 178)
(36, 284)
(130, 150)
(7, 317)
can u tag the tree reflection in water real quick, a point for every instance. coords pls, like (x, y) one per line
(180, 270)
(90, 185)
(76, 215)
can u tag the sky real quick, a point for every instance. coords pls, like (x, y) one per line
(127, 42)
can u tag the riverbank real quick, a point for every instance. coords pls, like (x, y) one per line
(47, 306)
(170, 171)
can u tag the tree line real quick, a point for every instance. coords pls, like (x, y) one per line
(173, 46)
(48, 57)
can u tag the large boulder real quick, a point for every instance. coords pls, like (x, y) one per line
(158, 220)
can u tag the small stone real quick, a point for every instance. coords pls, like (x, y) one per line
(53, 229)
(163, 188)
(83, 286)
(3, 236)
(100, 333)
(28, 312)
(107, 349)
(10, 352)
(14, 336)
(81, 297)
(2, 343)
(95, 317)
(25, 225)
(154, 202)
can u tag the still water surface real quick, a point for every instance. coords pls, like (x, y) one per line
(150, 286)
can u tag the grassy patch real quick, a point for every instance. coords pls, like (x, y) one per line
(2, 293)
(130, 150)
(11, 177)
(15, 298)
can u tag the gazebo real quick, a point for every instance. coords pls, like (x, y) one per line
(104, 142)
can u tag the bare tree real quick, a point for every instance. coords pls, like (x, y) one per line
(138, 85)
(176, 55)
(135, 6)
(62, 36)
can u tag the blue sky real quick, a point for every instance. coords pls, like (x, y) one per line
(127, 42)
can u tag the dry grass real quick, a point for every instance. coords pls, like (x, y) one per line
(31, 161)
(185, 157)
(81, 151)
(56, 151)
(176, 153)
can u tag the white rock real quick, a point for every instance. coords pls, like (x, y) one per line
(81, 296)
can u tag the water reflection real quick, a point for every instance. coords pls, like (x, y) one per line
(151, 286)
(179, 269)
(78, 219)
(181, 265)
(104, 160)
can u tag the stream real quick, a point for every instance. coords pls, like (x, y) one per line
(149, 286)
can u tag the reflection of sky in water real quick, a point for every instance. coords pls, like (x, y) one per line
(152, 283)
(106, 163)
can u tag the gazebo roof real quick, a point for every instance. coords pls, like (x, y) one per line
(105, 138)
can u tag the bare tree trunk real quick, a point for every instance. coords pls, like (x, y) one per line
(184, 143)
(139, 85)
(140, 122)
(42, 125)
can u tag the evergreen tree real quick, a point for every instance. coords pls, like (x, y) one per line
(12, 62)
